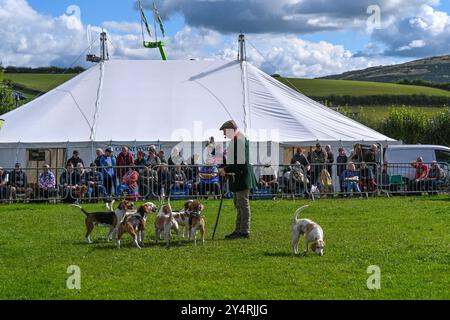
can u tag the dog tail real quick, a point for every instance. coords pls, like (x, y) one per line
(298, 212)
(79, 207)
(109, 205)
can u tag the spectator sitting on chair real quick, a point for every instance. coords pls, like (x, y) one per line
(351, 179)
(180, 179)
(129, 183)
(367, 180)
(436, 176)
(19, 183)
(4, 184)
(418, 184)
(95, 179)
(75, 160)
(209, 178)
(341, 161)
(124, 160)
(47, 183)
(268, 178)
(69, 182)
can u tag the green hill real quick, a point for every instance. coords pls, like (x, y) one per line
(331, 92)
(37, 83)
(434, 69)
(324, 88)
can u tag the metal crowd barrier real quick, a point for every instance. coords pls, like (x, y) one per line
(202, 181)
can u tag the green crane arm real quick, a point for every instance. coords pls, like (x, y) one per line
(159, 45)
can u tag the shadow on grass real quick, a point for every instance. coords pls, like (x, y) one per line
(102, 244)
(280, 254)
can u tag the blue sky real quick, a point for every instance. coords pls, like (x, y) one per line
(307, 38)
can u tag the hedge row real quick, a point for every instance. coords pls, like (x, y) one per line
(411, 126)
(385, 100)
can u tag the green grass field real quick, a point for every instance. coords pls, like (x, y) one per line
(39, 82)
(309, 87)
(408, 238)
(324, 88)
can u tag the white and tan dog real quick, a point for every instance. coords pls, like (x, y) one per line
(312, 231)
(134, 225)
(165, 223)
(183, 218)
(196, 221)
(110, 219)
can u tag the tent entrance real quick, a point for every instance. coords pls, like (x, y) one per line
(36, 158)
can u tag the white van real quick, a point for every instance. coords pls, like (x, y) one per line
(399, 157)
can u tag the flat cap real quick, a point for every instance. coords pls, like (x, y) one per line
(229, 125)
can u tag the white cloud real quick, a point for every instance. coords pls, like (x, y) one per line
(424, 34)
(293, 57)
(123, 26)
(413, 45)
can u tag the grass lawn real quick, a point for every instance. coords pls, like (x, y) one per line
(39, 82)
(324, 88)
(408, 238)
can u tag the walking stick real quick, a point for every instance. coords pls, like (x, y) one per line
(222, 195)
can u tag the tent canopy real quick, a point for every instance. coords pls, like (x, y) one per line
(172, 101)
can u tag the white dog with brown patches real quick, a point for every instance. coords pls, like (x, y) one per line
(165, 223)
(312, 231)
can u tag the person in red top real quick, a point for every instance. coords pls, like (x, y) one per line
(124, 159)
(422, 170)
(129, 183)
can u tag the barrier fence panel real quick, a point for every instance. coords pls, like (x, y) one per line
(30, 184)
(69, 185)
(415, 178)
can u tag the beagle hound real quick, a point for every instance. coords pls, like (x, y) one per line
(196, 220)
(134, 225)
(110, 219)
(165, 223)
(312, 231)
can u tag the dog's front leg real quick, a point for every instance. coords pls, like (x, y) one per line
(141, 238)
(295, 240)
(194, 235)
(110, 234)
(305, 252)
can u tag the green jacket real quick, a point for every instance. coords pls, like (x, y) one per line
(239, 164)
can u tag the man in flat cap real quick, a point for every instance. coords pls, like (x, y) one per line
(238, 163)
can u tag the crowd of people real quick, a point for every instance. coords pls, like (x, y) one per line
(360, 172)
(149, 174)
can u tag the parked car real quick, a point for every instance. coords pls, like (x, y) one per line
(399, 157)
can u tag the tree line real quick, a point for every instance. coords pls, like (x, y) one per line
(420, 100)
(45, 70)
(418, 82)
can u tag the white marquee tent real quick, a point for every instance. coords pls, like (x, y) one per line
(164, 102)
